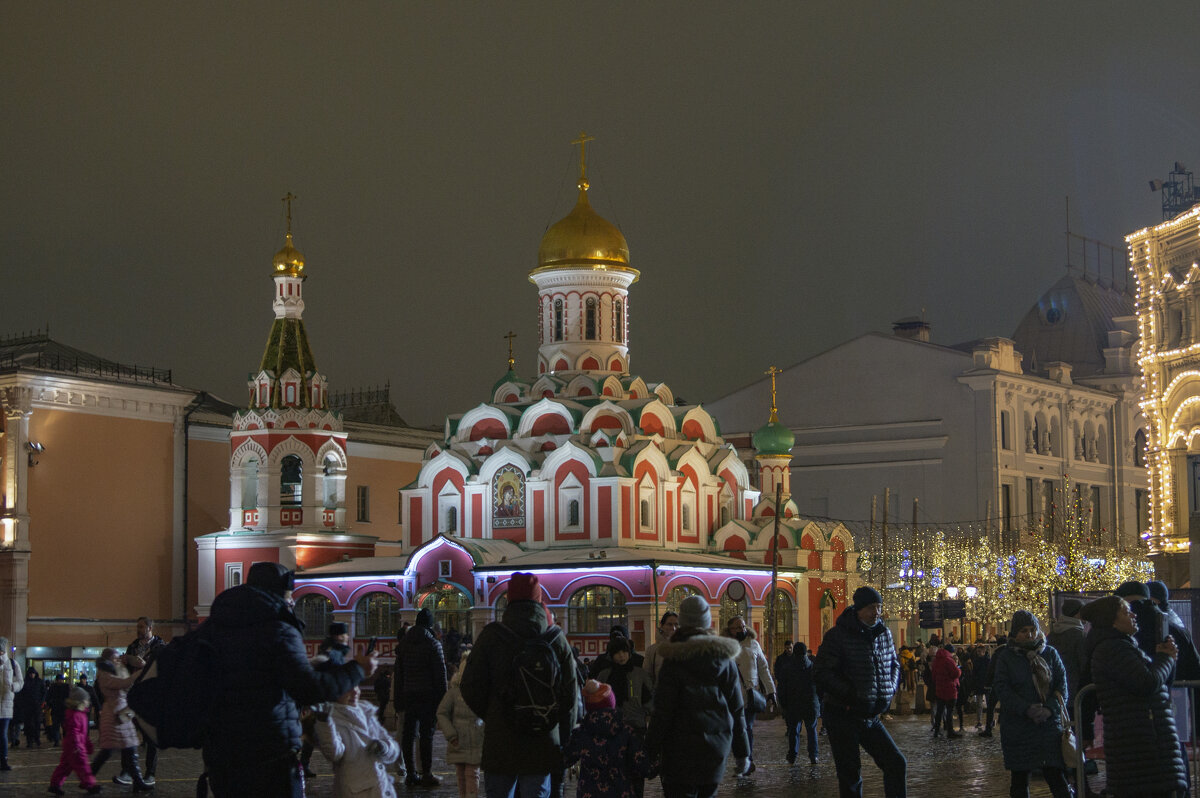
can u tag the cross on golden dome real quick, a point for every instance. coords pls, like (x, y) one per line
(582, 141)
(772, 371)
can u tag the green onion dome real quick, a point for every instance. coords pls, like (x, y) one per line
(774, 438)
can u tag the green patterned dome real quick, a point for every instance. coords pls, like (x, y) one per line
(774, 438)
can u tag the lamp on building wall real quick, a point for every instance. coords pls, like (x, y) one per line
(952, 592)
(34, 448)
(971, 591)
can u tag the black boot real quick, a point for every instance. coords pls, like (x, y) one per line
(129, 761)
(4, 764)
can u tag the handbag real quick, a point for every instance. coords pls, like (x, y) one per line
(1071, 752)
(756, 701)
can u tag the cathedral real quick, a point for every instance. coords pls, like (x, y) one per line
(622, 500)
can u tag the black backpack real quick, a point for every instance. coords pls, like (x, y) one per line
(532, 690)
(173, 696)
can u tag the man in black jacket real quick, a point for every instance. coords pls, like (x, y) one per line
(145, 646)
(857, 673)
(420, 685)
(254, 739)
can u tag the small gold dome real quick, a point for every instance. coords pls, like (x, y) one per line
(584, 238)
(289, 260)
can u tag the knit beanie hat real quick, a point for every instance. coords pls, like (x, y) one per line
(1101, 613)
(1021, 619)
(598, 695)
(1158, 591)
(618, 644)
(1071, 607)
(425, 618)
(694, 614)
(338, 628)
(1134, 590)
(865, 596)
(524, 587)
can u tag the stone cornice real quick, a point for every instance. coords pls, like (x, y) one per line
(72, 394)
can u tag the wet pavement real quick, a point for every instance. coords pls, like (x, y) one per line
(963, 768)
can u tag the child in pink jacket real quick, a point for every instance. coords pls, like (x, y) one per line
(76, 746)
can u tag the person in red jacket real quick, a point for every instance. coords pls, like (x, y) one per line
(945, 679)
(76, 747)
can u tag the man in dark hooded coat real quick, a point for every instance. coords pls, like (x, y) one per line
(253, 744)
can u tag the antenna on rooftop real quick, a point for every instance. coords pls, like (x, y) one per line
(1178, 191)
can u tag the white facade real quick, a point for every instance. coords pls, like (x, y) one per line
(967, 431)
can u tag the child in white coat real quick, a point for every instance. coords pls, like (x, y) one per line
(360, 749)
(464, 735)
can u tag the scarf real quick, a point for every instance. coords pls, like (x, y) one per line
(1037, 665)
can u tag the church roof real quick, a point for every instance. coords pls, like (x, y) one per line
(287, 348)
(1070, 323)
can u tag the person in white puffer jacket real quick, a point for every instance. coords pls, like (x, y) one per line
(353, 739)
(11, 682)
(755, 673)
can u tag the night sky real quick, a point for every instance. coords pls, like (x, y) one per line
(787, 175)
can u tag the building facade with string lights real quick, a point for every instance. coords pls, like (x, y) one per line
(622, 500)
(1164, 260)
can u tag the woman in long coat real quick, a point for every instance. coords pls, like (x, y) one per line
(1141, 745)
(11, 682)
(117, 733)
(1030, 679)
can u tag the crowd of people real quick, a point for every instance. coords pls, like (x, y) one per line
(518, 707)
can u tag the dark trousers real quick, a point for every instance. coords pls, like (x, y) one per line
(750, 729)
(846, 735)
(793, 724)
(1056, 780)
(944, 714)
(420, 717)
(991, 712)
(129, 762)
(276, 778)
(4, 739)
(671, 790)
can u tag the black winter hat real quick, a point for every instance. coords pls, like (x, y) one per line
(271, 576)
(425, 618)
(1072, 607)
(1158, 591)
(865, 596)
(1021, 619)
(1133, 589)
(338, 628)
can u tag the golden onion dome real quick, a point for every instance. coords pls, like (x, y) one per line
(288, 260)
(584, 238)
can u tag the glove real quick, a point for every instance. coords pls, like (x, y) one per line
(376, 748)
(1037, 713)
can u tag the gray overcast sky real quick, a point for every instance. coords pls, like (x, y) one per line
(788, 175)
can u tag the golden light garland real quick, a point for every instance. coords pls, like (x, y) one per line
(998, 573)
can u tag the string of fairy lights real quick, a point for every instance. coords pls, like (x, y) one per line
(996, 572)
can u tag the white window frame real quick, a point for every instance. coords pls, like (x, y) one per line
(570, 490)
(233, 574)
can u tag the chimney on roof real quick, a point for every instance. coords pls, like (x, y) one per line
(912, 328)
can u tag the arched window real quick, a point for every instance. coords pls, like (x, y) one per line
(291, 479)
(677, 594)
(593, 610)
(724, 514)
(573, 513)
(1139, 448)
(330, 483)
(687, 518)
(250, 484)
(646, 513)
(501, 604)
(731, 609)
(558, 320)
(618, 321)
(315, 612)
(377, 615)
(781, 629)
(589, 328)
(451, 609)
(451, 519)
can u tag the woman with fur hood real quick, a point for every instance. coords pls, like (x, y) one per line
(754, 670)
(117, 733)
(360, 749)
(699, 708)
